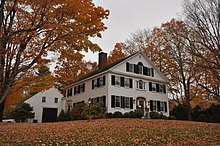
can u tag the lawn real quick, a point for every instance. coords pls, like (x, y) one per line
(111, 132)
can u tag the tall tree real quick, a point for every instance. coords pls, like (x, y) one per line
(203, 17)
(29, 29)
(170, 46)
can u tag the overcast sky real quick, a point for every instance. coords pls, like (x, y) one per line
(127, 16)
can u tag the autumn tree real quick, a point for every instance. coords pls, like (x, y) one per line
(117, 53)
(29, 29)
(70, 67)
(178, 64)
(203, 18)
(28, 84)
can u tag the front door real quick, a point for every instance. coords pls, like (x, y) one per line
(140, 104)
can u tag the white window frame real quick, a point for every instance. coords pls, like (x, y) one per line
(127, 102)
(162, 106)
(131, 67)
(140, 69)
(154, 87)
(117, 81)
(141, 85)
(117, 101)
(44, 99)
(56, 100)
(154, 106)
(126, 82)
(95, 83)
(101, 81)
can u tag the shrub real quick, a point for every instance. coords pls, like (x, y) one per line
(95, 111)
(138, 113)
(132, 114)
(109, 115)
(171, 118)
(156, 115)
(22, 113)
(64, 116)
(76, 112)
(117, 114)
(126, 115)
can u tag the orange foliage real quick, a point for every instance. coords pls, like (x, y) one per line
(117, 53)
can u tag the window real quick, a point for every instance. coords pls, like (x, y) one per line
(117, 101)
(55, 100)
(140, 84)
(154, 87)
(69, 92)
(127, 102)
(95, 83)
(131, 68)
(117, 80)
(43, 99)
(154, 105)
(101, 81)
(140, 69)
(161, 88)
(162, 106)
(126, 80)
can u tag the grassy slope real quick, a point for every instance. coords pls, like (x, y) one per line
(111, 132)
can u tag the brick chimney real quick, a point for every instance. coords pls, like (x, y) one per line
(102, 60)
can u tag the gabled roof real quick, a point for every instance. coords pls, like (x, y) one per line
(93, 73)
(104, 69)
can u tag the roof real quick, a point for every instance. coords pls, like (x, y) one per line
(104, 69)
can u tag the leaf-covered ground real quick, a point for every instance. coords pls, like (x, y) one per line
(111, 132)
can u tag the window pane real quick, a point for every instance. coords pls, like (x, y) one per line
(117, 80)
(43, 99)
(118, 101)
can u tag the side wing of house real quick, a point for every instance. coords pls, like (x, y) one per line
(46, 105)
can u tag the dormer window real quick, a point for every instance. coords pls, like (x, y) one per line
(140, 68)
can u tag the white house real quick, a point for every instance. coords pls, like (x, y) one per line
(46, 105)
(123, 86)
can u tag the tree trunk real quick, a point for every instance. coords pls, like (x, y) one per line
(2, 105)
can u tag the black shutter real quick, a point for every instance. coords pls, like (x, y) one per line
(144, 70)
(83, 87)
(127, 66)
(97, 99)
(104, 101)
(113, 80)
(150, 86)
(130, 83)
(165, 103)
(103, 80)
(164, 89)
(158, 106)
(92, 84)
(98, 82)
(157, 87)
(78, 89)
(151, 105)
(74, 90)
(152, 72)
(122, 102)
(135, 68)
(113, 101)
(122, 81)
(131, 102)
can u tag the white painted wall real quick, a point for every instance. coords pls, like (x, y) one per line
(108, 89)
(36, 102)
